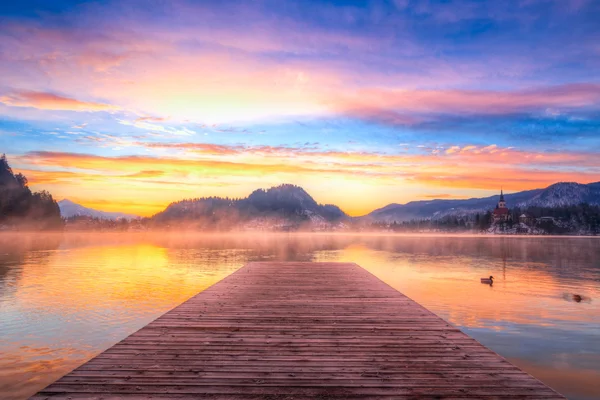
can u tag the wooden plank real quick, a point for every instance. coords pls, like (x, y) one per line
(298, 331)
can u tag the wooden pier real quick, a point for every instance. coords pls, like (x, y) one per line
(275, 330)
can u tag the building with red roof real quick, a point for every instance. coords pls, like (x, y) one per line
(501, 212)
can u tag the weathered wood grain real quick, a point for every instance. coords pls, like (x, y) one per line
(298, 331)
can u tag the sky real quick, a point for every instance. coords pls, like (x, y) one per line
(130, 105)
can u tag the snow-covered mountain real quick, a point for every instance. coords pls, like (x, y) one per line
(556, 195)
(70, 209)
(565, 194)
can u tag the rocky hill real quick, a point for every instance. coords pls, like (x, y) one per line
(281, 207)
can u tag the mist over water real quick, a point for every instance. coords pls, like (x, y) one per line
(66, 297)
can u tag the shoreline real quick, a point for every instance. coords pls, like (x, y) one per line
(191, 233)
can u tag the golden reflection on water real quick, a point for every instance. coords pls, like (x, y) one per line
(139, 275)
(64, 298)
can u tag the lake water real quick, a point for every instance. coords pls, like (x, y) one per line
(65, 298)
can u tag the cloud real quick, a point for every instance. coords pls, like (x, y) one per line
(125, 163)
(343, 71)
(50, 101)
(456, 155)
(146, 124)
(361, 61)
(408, 107)
(151, 119)
(442, 196)
(102, 61)
(241, 160)
(37, 177)
(200, 148)
(468, 148)
(238, 149)
(146, 174)
(235, 170)
(513, 179)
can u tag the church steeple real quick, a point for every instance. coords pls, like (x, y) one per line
(501, 202)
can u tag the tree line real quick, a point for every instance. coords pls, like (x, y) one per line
(20, 208)
(581, 218)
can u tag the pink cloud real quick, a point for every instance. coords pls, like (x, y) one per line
(247, 66)
(50, 101)
(383, 102)
(442, 196)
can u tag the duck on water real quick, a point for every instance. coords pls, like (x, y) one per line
(489, 280)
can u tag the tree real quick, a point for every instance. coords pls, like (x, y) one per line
(21, 180)
(20, 207)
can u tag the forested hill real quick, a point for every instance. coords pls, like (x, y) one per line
(20, 207)
(284, 206)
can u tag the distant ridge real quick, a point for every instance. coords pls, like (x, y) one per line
(289, 206)
(280, 206)
(70, 209)
(557, 195)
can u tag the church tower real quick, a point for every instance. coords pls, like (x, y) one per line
(501, 213)
(501, 202)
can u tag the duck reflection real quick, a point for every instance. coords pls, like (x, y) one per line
(577, 298)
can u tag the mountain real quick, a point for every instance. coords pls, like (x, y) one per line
(558, 194)
(565, 194)
(70, 209)
(290, 207)
(284, 206)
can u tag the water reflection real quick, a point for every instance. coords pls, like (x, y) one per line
(64, 298)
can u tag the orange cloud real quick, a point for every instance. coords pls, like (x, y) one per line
(150, 119)
(514, 179)
(202, 148)
(49, 101)
(442, 196)
(204, 166)
(312, 156)
(36, 177)
(278, 159)
(146, 174)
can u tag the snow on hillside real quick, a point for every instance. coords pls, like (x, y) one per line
(559, 194)
(565, 194)
(69, 209)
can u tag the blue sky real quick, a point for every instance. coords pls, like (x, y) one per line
(128, 106)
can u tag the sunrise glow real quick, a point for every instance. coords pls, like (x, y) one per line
(127, 108)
